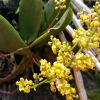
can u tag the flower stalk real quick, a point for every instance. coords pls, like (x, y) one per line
(78, 77)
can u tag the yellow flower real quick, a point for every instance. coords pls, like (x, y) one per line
(69, 97)
(60, 4)
(52, 87)
(43, 73)
(73, 90)
(96, 23)
(83, 62)
(35, 76)
(54, 49)
(25, 85)
(79, 55)
(67, 85)
(27, 89)
(68, 92)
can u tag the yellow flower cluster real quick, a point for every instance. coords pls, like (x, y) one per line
(86, 38)
(91, 20)
(59, 76)
(57, 73)
(62, 50)
(55, 44)
(57, 70)
(37, 77)
(97, 7)
(89, 38)
(64, 88)
(66, 56)
(25, 85)
(80, 36)
(83, 62)
(60, 4)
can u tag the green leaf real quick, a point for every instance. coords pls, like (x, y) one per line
(10, 40)
(49, 14)
(55, 30)
(29, 19)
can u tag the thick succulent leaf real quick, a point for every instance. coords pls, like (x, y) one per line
(62, 23)
(49, 14)
(29, 19)
(10, 40)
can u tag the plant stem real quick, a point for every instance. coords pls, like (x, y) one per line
(42, 82)
(80, 5)
(73, 47)
(76, 22)
(80, 85)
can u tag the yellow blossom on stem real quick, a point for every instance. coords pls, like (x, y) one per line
(83, 62)
(25, 85)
